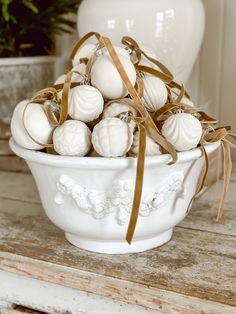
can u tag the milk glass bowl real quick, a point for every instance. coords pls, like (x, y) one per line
(90, 198)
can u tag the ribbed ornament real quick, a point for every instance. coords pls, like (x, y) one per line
(85, 103)
(183, 131)
(155, 92)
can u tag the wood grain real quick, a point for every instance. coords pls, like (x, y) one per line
(5, 149)
(13, 163)
(5, 132)
(176, 268)
(114, 288)
(8, 160)
(57, 299)
(18, 310)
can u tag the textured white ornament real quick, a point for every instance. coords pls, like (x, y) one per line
(183, 131)
(85, 103)
(116, 109)
(186, 101)
(106, 78)
(36, 123)
(72, 138)
(112, 137)
(155, 92)
(152, 148)
(85, 51)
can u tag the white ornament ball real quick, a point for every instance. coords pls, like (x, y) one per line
(119, 50)
(186, 101)
(85, 103)
(183, 131)
(60, 79)
(79, 68)
(85, 51)
(112, 137)
(115, 109)
(152, 148)
(72, 138)
(106, 78)
(155, 92)
(150, 53)
(35, 122)
(75, 76)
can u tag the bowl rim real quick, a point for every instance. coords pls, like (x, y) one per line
(104, 162)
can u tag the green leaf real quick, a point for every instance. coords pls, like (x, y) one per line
(5, 12)
(34, 22)
(13, 19)
(30, 5)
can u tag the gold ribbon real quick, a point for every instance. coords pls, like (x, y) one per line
(152, 130)
(64, 100)
(138, 183)
(164, 74)
(221, 134)
(202, 180)
(210, 135)
(227, 173)
(80, 43)
(41, 97)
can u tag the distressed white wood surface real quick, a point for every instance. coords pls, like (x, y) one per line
(52, 298)
(193, 273)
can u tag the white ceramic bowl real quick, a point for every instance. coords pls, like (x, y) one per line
(90, 198)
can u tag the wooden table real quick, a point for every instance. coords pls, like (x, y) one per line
(194, 273)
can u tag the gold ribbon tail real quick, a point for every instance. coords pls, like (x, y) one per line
(227, 173)
(202, 180)
(138, 183)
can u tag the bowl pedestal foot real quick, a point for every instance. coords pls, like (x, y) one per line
(119, 247)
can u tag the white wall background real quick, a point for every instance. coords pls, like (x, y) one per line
(213, 79)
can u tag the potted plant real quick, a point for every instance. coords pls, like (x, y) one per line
(28, 29)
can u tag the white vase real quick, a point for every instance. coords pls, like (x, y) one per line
(172, 28)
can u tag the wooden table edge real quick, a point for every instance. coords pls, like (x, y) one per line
(110, 287)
